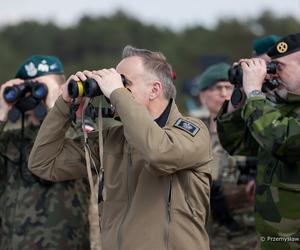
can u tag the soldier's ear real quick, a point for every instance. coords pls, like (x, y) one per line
(156, 90)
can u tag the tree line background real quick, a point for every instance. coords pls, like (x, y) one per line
(97, 42)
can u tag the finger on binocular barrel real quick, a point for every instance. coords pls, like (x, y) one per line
(88, 73)
(73, 77)
(11, 83)
(81, 75)
(97, 72)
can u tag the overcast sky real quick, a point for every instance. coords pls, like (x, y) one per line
(175, 14)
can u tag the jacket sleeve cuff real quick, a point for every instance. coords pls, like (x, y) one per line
(224, 116)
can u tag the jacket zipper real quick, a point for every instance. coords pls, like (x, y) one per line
(168, 212)
(129, 196)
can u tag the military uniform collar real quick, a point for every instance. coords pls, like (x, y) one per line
(163, 118)
(284, 97)
(293, 97)
(170, 114)
(174, 113)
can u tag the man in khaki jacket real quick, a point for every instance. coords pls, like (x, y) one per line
(156, 174)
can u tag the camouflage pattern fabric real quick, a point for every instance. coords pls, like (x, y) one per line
(220, 240)
(224, 166)
(224, 169)
(272, 131)
(37, 214)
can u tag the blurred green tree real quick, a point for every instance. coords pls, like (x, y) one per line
(97, 42)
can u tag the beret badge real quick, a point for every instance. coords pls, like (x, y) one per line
(282, 47)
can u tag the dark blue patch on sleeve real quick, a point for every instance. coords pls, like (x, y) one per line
(187, 126)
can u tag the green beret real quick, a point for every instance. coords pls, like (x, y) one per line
(39, 65)
(263, 44)
(285, 46)
(212, 75)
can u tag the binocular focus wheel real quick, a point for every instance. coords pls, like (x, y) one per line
(75, 89)
(80, 88)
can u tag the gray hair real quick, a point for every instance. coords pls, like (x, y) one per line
(155, 63)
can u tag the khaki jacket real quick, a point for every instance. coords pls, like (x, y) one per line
(156, 180)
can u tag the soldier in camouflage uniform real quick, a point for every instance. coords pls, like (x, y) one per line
(228, 200)
(37, 214)
(270, 129)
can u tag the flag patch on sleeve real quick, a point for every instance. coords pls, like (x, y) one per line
(187, 126)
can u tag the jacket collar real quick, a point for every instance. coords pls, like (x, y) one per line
(162, 119)
(293, 97)
(174, 113)
(170, 114)
(284, 97)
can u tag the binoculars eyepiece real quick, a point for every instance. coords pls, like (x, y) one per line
(89, 88)
(14, 93)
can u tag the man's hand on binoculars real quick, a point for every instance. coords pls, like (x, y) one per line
(92, 83)
(108, 80)
(78, 77)
(254, 74)
(5, 107)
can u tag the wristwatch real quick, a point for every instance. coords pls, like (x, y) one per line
(256, 93)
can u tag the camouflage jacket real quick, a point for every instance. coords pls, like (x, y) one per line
(37, 214)
(272, 132)
(224, 166)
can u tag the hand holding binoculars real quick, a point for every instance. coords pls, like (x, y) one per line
(88, 88)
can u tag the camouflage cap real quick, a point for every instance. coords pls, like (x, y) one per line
(39, 65)
(262, 44)
(213, 74)
(285, 46)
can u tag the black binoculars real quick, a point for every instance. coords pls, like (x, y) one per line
(235, 73)
(89, 87)
(13, 93)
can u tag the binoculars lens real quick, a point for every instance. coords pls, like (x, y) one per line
(10, 94)
(15, 92)
(39, 91)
